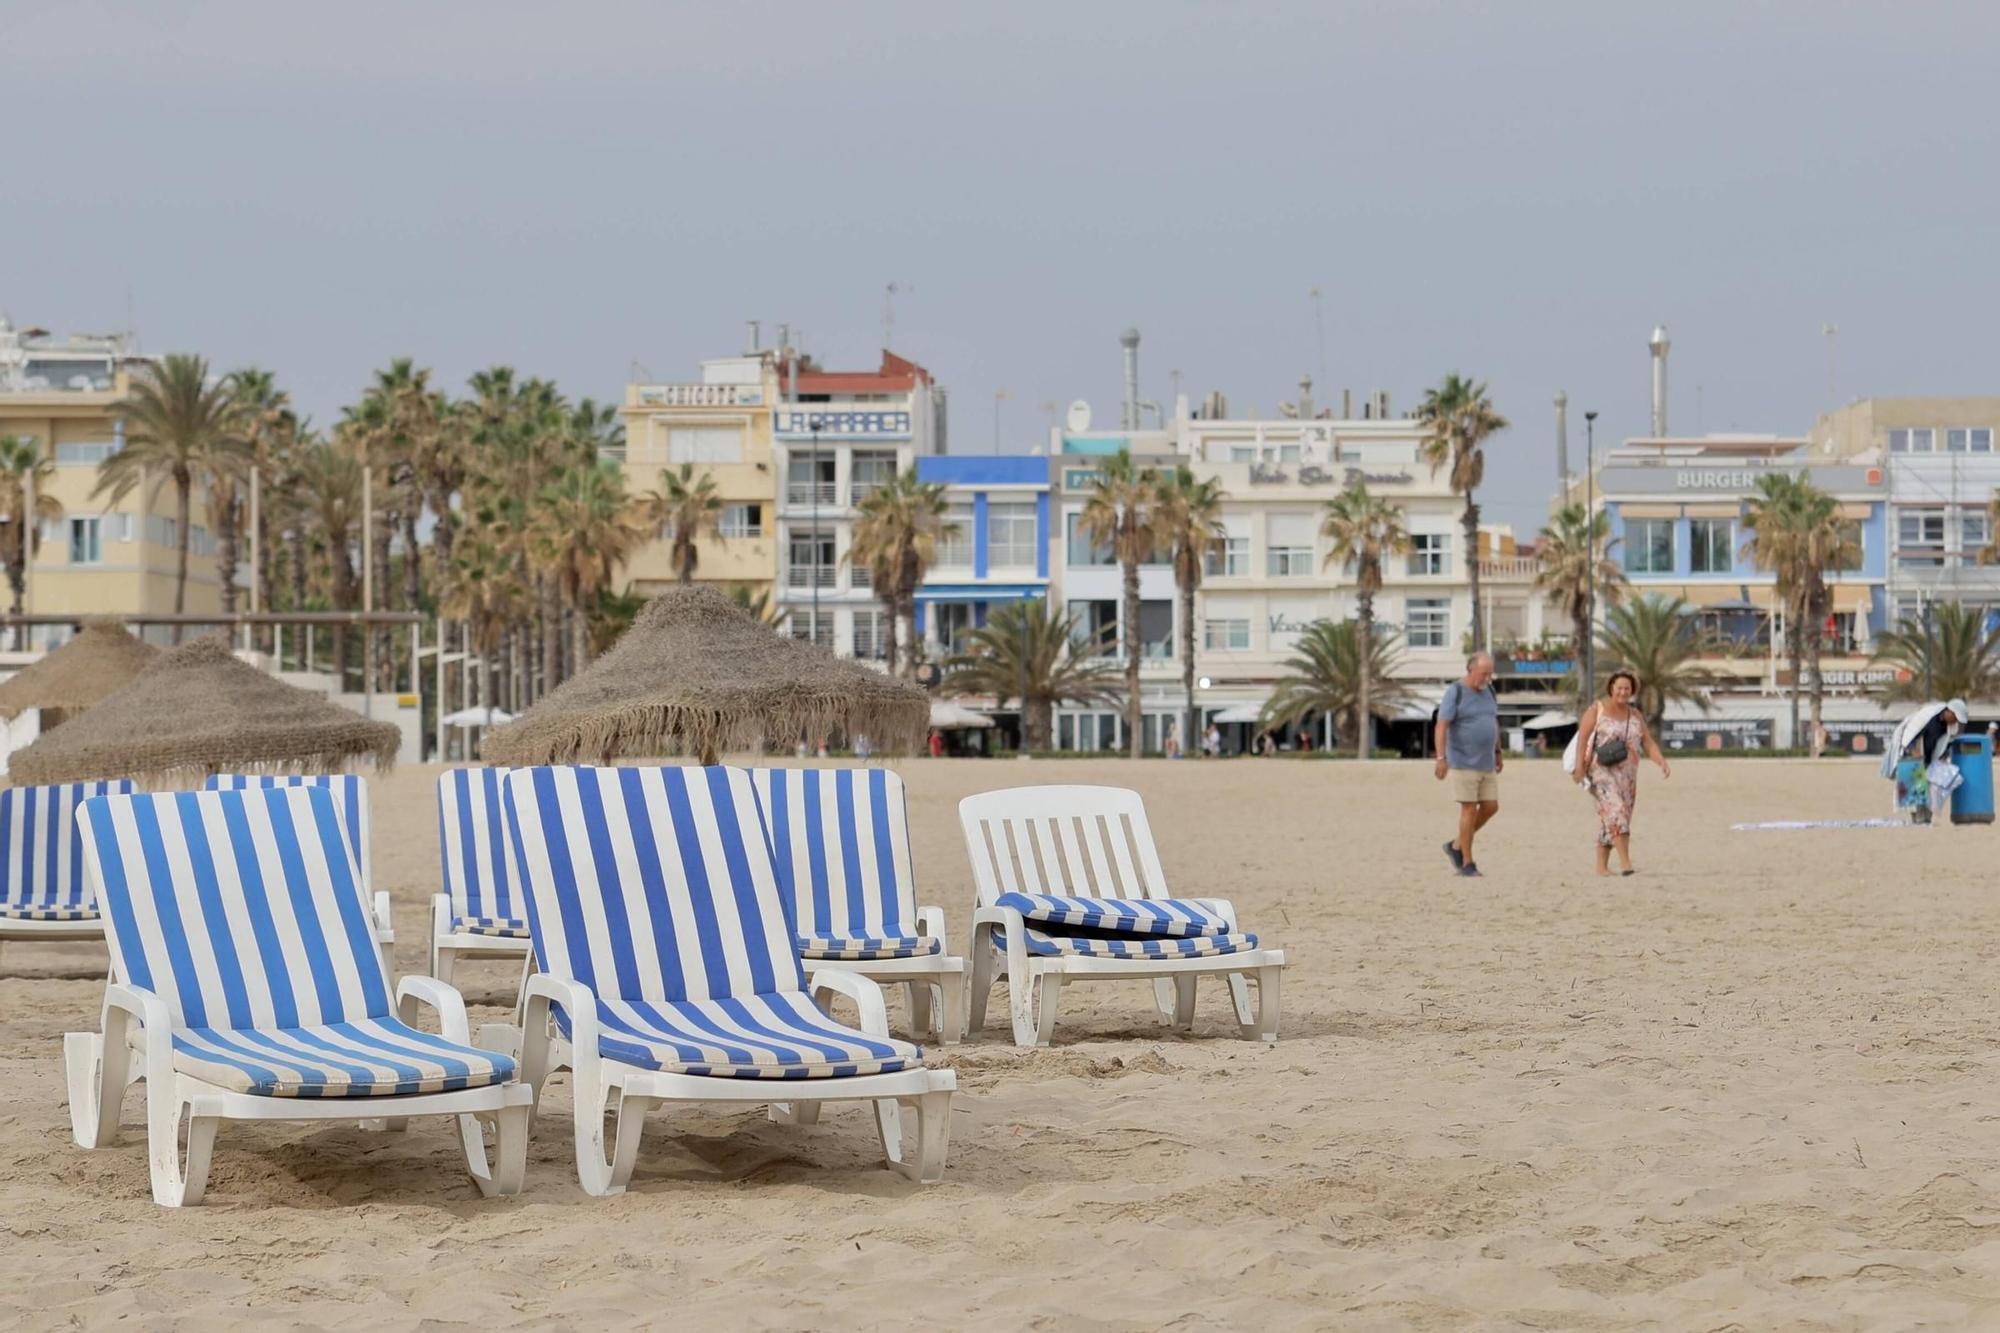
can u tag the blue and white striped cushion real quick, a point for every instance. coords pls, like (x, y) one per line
(502, 927)
(1051, 944)
(242, 911)
(655, 888)
(41, 851)
(838, 948)
(350, 798)
(1132, 916)
(841, 840)
(478, 866)
(756, 1036)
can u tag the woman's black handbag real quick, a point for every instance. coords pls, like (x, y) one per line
(1612, 753)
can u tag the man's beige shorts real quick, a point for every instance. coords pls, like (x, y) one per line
(1471, 784)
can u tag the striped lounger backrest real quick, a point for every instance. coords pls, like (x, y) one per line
(472, 840)
(350, 797)
(651, 883)
(41, 848)
(1082, 842)
(841, 838)
(239, 909)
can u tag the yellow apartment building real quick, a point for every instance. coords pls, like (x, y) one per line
(98, 557)
(722, 426)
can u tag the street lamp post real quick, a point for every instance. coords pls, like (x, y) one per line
(1589, 645)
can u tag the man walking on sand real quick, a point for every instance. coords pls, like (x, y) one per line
(1468, 752)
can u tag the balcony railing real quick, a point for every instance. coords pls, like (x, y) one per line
(810, 576)
(807, 493)
(861, 490)
(701, 395)
(1509, 567)
(860, 577)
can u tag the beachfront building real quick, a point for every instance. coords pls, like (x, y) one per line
(720, 425)
(98, 557)
(1941, 470)
(1676, 508)
(996, 549)
(837, 435)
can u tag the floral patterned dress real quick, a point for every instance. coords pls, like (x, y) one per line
(1615, 786)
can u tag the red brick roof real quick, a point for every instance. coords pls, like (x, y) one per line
(896, 376)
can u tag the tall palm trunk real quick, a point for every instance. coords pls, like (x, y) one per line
(260, 570)
(183, 484)
(1469, 521)
(1579, 651)
(515, 685)
(1813, 649)
(580, 630)
(1795, 649)
(1188, 742)
(1135, 740)
(550, 610)
(1364, 720)
(891, 606)
(413, 569)
(226, 557)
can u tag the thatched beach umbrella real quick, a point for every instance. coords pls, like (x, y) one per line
(197, 710)
(95, 664)
(696, 674)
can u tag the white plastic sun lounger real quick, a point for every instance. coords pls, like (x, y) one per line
(350, 798)
(43, 895)
(247, 986)
(1070, 889)
(667, 969)
(841, 838)
(483, 911)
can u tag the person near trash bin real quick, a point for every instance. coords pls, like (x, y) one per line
(1925, 736)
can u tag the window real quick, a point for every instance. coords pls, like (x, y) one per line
(85, 542)
(1288, 561)
(1709, 550)
(1427, 622)
(1242, 453)
(1229, 557)
(1920, 538)
(1096, 627)
(871, 634)
(742, 520)
(1010, 535)
(1649, 546)
(86, 451)
(1969, 440)
(811, 560)
(799, 623)
(704, 444)
(1081, 552)
(809, 480)
(1156, 629)
(1225, 634)
(872, 470)
(1288, 453)
(1973, 533)
(1430, 553)
(954, 544)
(951, 624)
(1915, 440)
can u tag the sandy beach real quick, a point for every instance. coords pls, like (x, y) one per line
(1743, 1089)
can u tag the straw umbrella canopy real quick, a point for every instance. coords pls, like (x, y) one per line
(197, 711)
(90, 667)
(696, 674)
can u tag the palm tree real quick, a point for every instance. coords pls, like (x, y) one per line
(483, 589)
(1189, 522)
(270, 426)
(758, 602)
(1324, 676)
(584, 527)
(1361, 531)
(1027, 650)
(685, 509)
(1777, 542)
(1657, 639)
(1461, 417)
(1991, 551)
(185, 427)
(1953, 657)
(329, 496)
(1120, 514)
(1575, 549)
(24, 471)
(895, 536)
(1828, 541)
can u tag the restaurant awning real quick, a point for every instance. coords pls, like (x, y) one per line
(1852, 598)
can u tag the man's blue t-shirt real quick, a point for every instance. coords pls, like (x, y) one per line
(1473, 737)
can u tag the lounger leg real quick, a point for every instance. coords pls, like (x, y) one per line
(925, 1165)
(97, 1082)
(599, 1175)
(1266, 1026)
(951, 1007)
(1239, 995)
(889, 1128)
(1051, 989)
(793, 1113)
(982, 979)
(1021, 1007)
(176, 1184)
(510, 1150)
(1163, 998)
(442, 962)
(920, 1009)
(1183, 1003)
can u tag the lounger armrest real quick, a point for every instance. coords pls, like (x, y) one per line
(122, 1004)
(385, 925)
(1007, 918)
(867, 997)
(930, 923)
(580, 1004)
(1222, 907)
(440, 914)
(414, 990)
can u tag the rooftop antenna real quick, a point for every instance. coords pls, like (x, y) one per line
(756, 336)
(889, 314)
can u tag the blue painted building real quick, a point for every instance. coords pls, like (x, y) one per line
(997, 550)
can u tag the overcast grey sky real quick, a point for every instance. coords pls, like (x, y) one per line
(1517, 191)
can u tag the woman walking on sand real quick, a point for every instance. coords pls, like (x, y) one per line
(1613, 731)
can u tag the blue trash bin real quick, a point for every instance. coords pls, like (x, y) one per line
(1972, 803)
